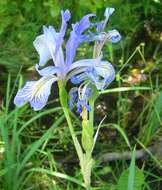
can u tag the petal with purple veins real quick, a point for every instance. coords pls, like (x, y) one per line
(35, 92)
(113, 36)
(102, 75)
(50, 70)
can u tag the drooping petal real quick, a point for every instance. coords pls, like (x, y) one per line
(35, 92)
(101, 75)
(50, 70)
(98, 72)
(113, 36)
(76, 37)
(77, 79)
(84, 63)
(41, 46)
(77, 71)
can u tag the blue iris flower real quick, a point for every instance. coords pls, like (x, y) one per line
(49, 47)
(102, 74)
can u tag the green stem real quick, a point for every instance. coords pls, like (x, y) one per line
(86, 161)
(63, 100)
(91, 113)
(75, 140)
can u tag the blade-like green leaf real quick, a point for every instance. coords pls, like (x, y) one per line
(138, 180)
(124, 89)
(58, 174)
(131, 178)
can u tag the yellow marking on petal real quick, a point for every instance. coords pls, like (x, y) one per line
(40, 85)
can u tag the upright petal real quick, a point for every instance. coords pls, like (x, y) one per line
(51, 37)
(65, 18)
(101, 25)
(76, 37)
(108, 12)
(79, 97)
(46, 46)
(73, 96)
(84, 93)
(35, 92)
(42, 48)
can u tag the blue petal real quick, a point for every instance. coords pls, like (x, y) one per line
(65, 18)
(108, 12)
(50, 70)
(79, 97)
(51, 38)
(47, 45)
(76, 37)
(114, 36)
(84, 24)
(84, 63)
(101, 25)
(101, 75)
(41, 46)
(77, 79)
(35, 92)
(73, 96)
(84, 94)
(77, 70)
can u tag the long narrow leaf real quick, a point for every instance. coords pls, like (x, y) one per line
(33, 147)
(131, 176)
(58, 174)
(124, 89)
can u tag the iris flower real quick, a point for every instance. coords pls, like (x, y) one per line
(49, 47)
(98, 76)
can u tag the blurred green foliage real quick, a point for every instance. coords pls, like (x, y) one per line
(22, 21)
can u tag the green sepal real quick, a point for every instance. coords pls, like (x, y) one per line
(87, 136)
(63, 94)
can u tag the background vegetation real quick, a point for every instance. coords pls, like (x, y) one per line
(36, 151)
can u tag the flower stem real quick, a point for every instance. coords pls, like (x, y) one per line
(85, 159)
(63, 100)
